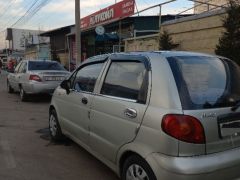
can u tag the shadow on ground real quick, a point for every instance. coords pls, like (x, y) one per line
(45, 135)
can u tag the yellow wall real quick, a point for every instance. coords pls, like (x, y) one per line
(147, 43)
(199, 8)
(199, 33)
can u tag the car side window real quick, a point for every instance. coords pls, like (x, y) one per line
(126, 80)
(86, 77)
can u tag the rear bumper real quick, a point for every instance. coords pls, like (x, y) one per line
(220, 166)
(38, 88)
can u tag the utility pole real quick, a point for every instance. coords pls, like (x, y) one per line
(78, 31)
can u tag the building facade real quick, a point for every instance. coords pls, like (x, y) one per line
(27, 43)
(59, 50)
(202, 7)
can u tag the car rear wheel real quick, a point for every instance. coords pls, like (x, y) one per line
(136, 168)
(23, 95)
(54, 127)
(9, 88)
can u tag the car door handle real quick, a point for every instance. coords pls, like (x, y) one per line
(131, 113)
(84, 100)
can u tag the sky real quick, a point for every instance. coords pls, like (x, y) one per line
(59, 13)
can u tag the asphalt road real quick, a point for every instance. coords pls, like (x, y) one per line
(26, 151)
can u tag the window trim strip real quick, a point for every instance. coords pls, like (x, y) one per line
(117, 98)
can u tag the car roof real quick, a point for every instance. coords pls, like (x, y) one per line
(164, 54)
(171, 53)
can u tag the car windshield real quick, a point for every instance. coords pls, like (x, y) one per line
(44, 65)
(206, 82)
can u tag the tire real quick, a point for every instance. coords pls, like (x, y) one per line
(54, 127)
(9, 88)
(136, 167)
(23, 95)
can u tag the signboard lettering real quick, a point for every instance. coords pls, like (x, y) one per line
(104, 16)
(112, 13)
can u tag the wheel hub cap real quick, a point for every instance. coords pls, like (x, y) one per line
(136, 172)
(53, 125)
(21, 93)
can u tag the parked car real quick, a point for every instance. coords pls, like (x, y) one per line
(35, 77)
(154, 115)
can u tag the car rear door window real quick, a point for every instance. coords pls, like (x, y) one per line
(126, 80)
(86, 77)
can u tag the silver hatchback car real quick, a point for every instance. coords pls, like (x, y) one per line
(154, 115)
(35, 77)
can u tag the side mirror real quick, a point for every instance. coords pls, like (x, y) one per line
(65, 85)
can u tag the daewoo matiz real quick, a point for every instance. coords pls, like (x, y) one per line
(154, 115)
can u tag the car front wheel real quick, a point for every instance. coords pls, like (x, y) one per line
(9, 88)
(54, 127)
(23, 95)
(136, 168)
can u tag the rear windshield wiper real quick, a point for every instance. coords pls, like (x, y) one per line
(236, 106)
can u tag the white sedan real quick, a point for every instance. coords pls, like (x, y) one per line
(36, 77)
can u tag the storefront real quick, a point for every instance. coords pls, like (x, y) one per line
(103, 31)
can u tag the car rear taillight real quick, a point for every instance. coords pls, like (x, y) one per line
(34, 77)
(183, 127)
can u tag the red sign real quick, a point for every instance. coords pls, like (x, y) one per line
(112, 13)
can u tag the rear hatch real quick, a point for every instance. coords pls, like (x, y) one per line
(209, 90)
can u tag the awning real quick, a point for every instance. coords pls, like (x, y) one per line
(107, 37)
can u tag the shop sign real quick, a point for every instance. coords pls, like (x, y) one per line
(112, 13)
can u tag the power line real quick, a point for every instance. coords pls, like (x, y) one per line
(11, 18)
(35, 2)
(35, 11)
(49, 17)
(4, 10)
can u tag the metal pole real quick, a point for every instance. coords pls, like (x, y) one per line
(160, 22)
(155, 6)
(119, 35)
(207, 3)
(78, 31)
(69, 54)
(160, 17)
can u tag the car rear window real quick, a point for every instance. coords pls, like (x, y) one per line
(205, 82)
(44, 65)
